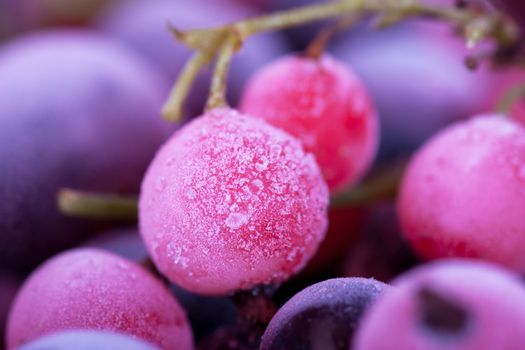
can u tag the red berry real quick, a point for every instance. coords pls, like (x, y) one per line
(323, 104)
(230, 202)
(463, 194)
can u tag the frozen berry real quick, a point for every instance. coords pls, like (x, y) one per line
(94, 290)
(230, 202)
(323, 104)
(322, 316)
(463, 194)
(454, 304)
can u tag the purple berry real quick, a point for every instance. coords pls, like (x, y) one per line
(322, 316)
(77, 110)
(125, 242)
(87, 340)
(417, 80)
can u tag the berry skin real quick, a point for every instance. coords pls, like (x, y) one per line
(416, 77)
(322, 316)
(230, 202)
(72, 106)
(323, 104)
(464, 192)
(87, 340)
(94, 290)
(447, 305)
(204, 313)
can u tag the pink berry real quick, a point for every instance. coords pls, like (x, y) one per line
(94, 290)
(453, 305)
(463, 194)
(230, 202)
(323, 104)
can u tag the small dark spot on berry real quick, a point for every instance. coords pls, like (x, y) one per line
(441, 315)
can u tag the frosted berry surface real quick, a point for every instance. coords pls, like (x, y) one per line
(463, 194)
(231, 202)
(94, 290)
(322, 103)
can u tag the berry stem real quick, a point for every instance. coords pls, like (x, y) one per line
(475, 24)
(255, 309)
(173, 108)
(381, 186)
(208, 43)
(302, 15)
(510, 98)
(90, 205)
(318, 45)
(217, 96)
(98, 206)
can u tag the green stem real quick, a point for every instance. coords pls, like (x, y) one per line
(302, 15)
(98, 206)
(217, 96)
(510, 98)
(473, 24)
(318, 45)
(384, 185)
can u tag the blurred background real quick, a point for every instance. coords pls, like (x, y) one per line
(81, 87)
